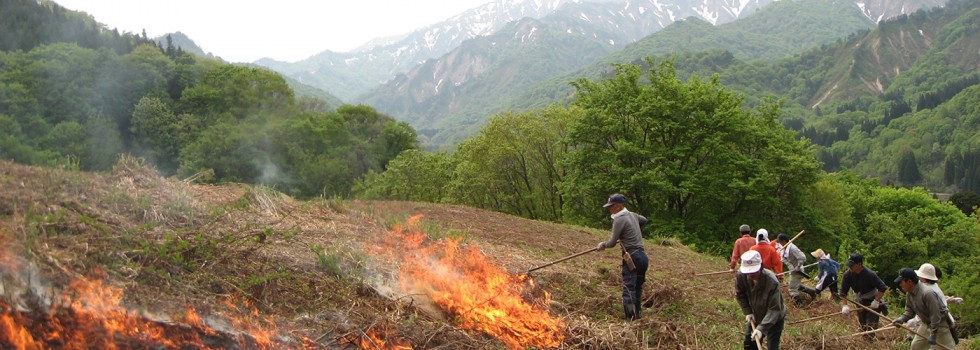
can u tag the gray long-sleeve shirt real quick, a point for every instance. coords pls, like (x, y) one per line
(626, 228)
(793, 257)
(761, 299)
(924, 302)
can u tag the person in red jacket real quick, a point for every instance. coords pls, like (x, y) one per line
(742, 245)
(770, 258)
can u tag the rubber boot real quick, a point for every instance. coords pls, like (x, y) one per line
(630, 310)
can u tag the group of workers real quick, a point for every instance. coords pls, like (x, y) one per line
(759, 265)
(757, 289)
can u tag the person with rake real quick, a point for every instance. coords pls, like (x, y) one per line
(626, 230)
(757, 292)
(826, 276)
(929, 306)
(868, 290)
(794, 259)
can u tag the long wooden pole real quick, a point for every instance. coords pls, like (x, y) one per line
(815, 318)
(714, 273)
(758, 342)
(795, 237)
(563, 259)
(780, 251)
(892, 320)
(885, 328)
(804, 267)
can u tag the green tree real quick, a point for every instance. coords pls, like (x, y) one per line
(685, 154)
(414, 175)
(513, 165)
(156, 130)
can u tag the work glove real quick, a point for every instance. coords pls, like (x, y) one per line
(875, 304)
(932, 339)
(914, 323)
(954, 300)
(750, 318)
(601, 246)
(757, 335)
(845, 310)
(898, 322)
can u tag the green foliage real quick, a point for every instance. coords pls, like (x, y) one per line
(685, 154)
(513, 165)
(413, 175)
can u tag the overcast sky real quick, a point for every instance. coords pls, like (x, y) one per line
(286, 30)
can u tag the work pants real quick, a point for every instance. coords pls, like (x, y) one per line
(828, 282)
(771, 338)
(868, 319)
(794, 284)
(943, 337)
(633, 284)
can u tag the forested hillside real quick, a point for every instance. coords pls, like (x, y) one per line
(529, 64)
(83, 104)
(879, 102)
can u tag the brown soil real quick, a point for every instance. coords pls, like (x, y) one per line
(171, 245)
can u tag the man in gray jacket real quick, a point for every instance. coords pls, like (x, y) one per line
(794, 259)
(757, 292)
(626, 230)
(922, 301)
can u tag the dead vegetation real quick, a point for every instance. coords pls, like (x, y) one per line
(172, 245)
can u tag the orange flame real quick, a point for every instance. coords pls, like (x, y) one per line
(467, 284)
(90, 317)
(372, 340)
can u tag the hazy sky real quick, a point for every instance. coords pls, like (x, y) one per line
(286, 30)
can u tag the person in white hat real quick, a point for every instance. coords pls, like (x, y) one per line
(929, 277)
(757, 292)
(770, 258)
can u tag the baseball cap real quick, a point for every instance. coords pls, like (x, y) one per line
(906, 274)
(751, 262)
(615, 198)
(855, 258)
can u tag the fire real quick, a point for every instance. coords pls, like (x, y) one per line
(89, 316)
(371, 340)
(480, 294)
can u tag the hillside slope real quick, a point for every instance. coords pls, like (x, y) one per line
(316, 269)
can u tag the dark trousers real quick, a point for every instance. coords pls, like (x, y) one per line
(771, 337)
(633, 284)
(829, 283)
(868, 319)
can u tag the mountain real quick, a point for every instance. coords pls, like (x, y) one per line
(182, 41)
(476, 78)
(347, 75)
(449, 115)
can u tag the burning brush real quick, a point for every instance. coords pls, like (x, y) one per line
(463, 282)
(87, 314)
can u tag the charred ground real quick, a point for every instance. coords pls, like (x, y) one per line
(171, 245)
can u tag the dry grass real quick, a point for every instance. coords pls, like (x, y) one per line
(172, 244)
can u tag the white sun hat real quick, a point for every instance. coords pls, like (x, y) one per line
(927, 271)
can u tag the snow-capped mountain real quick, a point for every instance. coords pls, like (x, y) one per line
(615, 22)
